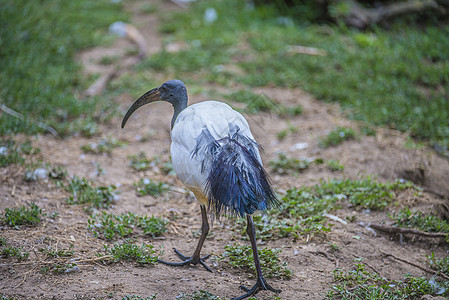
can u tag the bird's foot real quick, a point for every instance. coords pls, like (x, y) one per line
(260, 285)
(186, 260)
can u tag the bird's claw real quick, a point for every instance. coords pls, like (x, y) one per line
(260, 285)
(188, 260)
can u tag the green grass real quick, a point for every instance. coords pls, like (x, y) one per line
(362, 284)
(302, 210)
(334, 165)
(154, 226)
(56, 253)
(13, 153)
(23, 216)
(242, 257)
(140, 162)
(144, 254)
(7, 251)
(111, 227)
(146, 186)
(365, 192)
(286, 165)
(283, 133)
(337, 136)
(40, 77)
(104, 146)
(439, 264)
(82, 192)
(416, 219)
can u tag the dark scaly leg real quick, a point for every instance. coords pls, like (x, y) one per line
(195, 258)
(261, 283)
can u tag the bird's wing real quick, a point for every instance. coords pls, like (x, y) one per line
(200, 124)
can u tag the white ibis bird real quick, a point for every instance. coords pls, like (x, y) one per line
(215, 155)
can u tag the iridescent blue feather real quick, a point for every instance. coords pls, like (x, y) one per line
(237, 183)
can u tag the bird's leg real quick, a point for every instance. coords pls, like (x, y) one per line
(261, 283)
(195, 258)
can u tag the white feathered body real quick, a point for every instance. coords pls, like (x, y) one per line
(217, 118)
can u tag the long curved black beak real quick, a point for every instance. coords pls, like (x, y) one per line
(150, 96)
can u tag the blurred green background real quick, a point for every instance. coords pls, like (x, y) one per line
(395, 74)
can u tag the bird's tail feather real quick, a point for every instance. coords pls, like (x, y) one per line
(237, 183)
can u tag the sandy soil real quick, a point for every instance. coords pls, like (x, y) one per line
(312, 262)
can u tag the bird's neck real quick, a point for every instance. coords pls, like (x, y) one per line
(178, 108)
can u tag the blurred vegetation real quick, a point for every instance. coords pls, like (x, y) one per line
(396, 77)
(39, 77)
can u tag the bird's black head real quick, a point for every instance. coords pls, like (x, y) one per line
(173, 91)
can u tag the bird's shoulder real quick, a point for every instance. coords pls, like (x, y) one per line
(211, 106)
(213, 116)
(211, 113)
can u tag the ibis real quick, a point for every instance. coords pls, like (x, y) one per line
(215, 155)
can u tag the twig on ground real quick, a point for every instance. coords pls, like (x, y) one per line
(399, 230)
(336, 218)
(430, 271)
(367, 264)
(93, 259)
(17, 115)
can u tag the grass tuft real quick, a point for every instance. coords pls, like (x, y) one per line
(12, 153)
(334, 165)
(242, 257)
(362, 284)
(416, 219)
(111, 227)
(154, 226)
(103, 146)
(7, 251)
(23, 216)
(55, 253)
(82, 192)
(438, 264)
(144, 254)
(337, 136)
(146, 186)
(140, 161)
(286, 165)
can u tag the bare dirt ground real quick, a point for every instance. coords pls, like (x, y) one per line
(312, 262)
